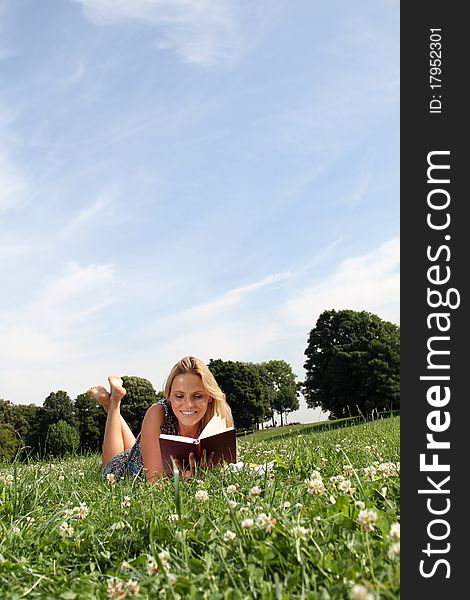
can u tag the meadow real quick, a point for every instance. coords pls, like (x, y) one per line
(308, 515)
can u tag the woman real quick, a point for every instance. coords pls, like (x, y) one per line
(192, 398)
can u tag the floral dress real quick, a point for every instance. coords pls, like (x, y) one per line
(130, 462)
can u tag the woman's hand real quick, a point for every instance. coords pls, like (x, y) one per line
(190, 471)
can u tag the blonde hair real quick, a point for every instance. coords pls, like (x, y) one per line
(219, 406)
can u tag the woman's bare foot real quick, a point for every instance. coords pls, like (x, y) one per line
(117, 389)
(100, 394)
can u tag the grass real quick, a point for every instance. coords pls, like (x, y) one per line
(300, 529)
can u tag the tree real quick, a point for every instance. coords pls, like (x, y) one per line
(62, 439)
(282, 389)
(58, 407)
(91, 419)
(140, 395)
(353, 363)
(243, 390)
(23, 420)
(8, 442)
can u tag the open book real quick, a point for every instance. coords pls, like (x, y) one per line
(215, 437)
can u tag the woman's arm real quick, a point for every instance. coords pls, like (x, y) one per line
(149, 443)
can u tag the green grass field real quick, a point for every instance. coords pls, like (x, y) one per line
(322, 522)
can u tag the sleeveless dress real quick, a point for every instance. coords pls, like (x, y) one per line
(130, 463)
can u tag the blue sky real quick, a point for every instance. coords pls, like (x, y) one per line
(190, 177)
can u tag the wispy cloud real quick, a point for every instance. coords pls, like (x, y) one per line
(230, 298)
(201, 31)
(369, 282)
(45, 343)
(102, 202)
(53, 325)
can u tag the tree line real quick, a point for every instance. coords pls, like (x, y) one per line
(352, 367)
(254, 391)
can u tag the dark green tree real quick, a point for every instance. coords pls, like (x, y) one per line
(244, 392)
(353, 364)
(23, 419)
(62, 439)
(8, 442)
(140, 395)
(282, 388)
(91, 419)
(27, 427)
(58, 407)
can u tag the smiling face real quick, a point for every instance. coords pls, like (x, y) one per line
(189, 400)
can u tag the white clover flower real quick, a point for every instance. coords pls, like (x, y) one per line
(286, 504)
(346, 487)
(255, 491)
(387, 470)
(111, 478)
(231, 489)
(370, 472)
(266, 522)
(316, 487)
(232, 504)
(348, 470)
(394, 550)
(126, 502)
(132, 587)
(315, 475)
(66, 529)
(367, 519)
(9, 480)
(115, 589)
(360, 592)
(247, 523)
(171, 579)
(173, 518)
(335, 480)
(68, 512)
(61, 478)
(338, 448)
(164, 556)
(299, 505)
(229, 536)
(359, 505)
(201, 496)
(81, 511)
(152, 566)
(394, 534)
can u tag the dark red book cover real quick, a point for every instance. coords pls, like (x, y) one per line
(223, 444)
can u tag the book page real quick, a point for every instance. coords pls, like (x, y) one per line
(177, 438)
(215, 425)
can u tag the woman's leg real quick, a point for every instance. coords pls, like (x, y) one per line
(117, 434)
(113, 442)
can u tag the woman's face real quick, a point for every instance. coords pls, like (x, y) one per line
(188, 398)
